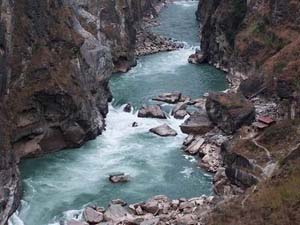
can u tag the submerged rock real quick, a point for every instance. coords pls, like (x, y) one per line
(229, 111)
(119, 178)
(127, 108)
(152, 111)
(164, 131)
(172, 97)
(135, 124)
(92, 216)
(198, 123)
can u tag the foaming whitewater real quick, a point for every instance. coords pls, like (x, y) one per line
(58, 186)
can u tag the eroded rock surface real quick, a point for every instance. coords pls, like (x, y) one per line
(229, 111)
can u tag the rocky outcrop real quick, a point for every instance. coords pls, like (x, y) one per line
(197, 123)
(257, 39)
(229, 111)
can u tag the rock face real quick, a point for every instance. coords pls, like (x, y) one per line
(229, 111)
(164, 131)
(254, 38)
(56, 58)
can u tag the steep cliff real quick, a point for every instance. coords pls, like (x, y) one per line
(255, 39)
(56, 58)
(257, 43)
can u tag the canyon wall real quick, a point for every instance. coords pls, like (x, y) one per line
(258, 39)
(56, 59)
(258, 43)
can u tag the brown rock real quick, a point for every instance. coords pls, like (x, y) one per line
(229, 111)
(198, 123)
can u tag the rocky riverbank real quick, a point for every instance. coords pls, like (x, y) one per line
(56, 59)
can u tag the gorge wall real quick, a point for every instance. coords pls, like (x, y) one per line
(258, 39)
(257, 42)
(56, 58)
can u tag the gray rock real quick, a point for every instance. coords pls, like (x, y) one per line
(92, 216)
(153, 221)
(198, 123)
(153, 111)
(119, 178)
(179, 106)
(194, 147)
(115, 213)
(171, 98)
(180, 114)
(164, 131)
(118, 202)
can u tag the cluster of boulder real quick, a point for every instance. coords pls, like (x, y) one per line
(217, 119)
(158, 210)
(149, 43)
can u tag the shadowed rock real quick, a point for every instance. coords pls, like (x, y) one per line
(229, 111)
(198, 123)
(127, 108)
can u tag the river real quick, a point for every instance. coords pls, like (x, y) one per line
(59, 185)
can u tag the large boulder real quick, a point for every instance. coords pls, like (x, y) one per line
(116, 213)
(198, 123)
(241, 178)
(229, 111)
(92, 216)
(172, 97)
(152, 111)
(164, 131)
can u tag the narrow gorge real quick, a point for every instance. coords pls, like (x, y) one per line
(150, 112)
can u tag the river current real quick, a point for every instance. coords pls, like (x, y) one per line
(58, 186)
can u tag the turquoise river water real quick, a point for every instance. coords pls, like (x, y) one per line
(59, 185)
